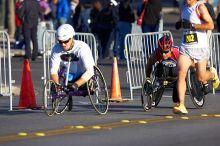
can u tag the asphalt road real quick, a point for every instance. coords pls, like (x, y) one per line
(126, 123)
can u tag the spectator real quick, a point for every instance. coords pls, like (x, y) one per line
(30, 13)
(151, 16)
(180, 3)
(53, 13)
(45, 8)
(210, 9)
(97, 7)
(85, 18)
(18, 22)
(124, 26)
(63, 11)
(105, 25)
(150, 23)
(212, 14)
(46, 18)
(218, 16)
(76, 17)
(73, 5)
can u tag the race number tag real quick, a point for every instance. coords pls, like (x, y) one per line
(190, 38)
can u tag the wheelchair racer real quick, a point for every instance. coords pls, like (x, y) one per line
(82, 69)
(163, 53)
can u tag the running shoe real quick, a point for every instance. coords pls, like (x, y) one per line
(180, 110)
(176, 104)
(215, 82)
(206, 89)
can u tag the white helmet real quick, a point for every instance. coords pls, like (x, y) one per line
(65, 32)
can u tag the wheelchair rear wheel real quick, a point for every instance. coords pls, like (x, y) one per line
(49, 97)
(146, 94)
(98, 92)
(195, 89)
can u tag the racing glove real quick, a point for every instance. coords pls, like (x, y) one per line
(178, 25)
(75, 87)
(58, 87)
(188, 25)
(185, 25)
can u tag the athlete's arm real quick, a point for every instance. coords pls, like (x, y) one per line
(150, 62)
(206, 18)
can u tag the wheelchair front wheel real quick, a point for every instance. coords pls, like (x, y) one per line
(62, 99)
(146, 94)
(157, 95)
(49, 97)
(61, 104)
(98, 92)
(195, 89)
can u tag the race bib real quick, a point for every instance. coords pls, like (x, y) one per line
(190, 38)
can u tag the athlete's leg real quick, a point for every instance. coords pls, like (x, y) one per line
(184, 63)
(203, 75)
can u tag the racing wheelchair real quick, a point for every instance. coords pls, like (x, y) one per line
(56, 98)
(153, 87)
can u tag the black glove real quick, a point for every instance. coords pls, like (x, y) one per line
(187, 25)
(58, 87)
(75, 87)
(178, 24)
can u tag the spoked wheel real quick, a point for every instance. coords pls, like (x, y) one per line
(157, 92)
(195, 89)
(62, 99)
(146, 94)
(158, 89)
(61, 104)
(49, 98)
(98, 92)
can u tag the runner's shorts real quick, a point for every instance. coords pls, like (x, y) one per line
(196, 53)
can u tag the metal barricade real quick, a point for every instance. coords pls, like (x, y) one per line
(214, 44)
(5, 66)
(138, 48)
(49, 40)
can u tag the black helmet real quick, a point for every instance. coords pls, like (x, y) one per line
(165, 42)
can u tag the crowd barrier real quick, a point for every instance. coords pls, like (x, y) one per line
(5, 67)
(49, 40)
(214, 43)
(138, 48)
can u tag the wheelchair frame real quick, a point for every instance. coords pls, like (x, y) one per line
(57, 97)
(152, 99)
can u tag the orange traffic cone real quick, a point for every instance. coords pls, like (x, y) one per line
(115, 83)
(27, 96)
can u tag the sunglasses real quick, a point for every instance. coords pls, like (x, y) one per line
(64, 42)
(164, 52)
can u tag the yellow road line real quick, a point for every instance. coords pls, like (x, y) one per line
(106, 126)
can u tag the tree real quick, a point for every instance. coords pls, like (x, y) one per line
(2, 13)
(11, 17)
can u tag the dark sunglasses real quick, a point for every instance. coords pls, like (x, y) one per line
(164, 52)
(65, 42)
